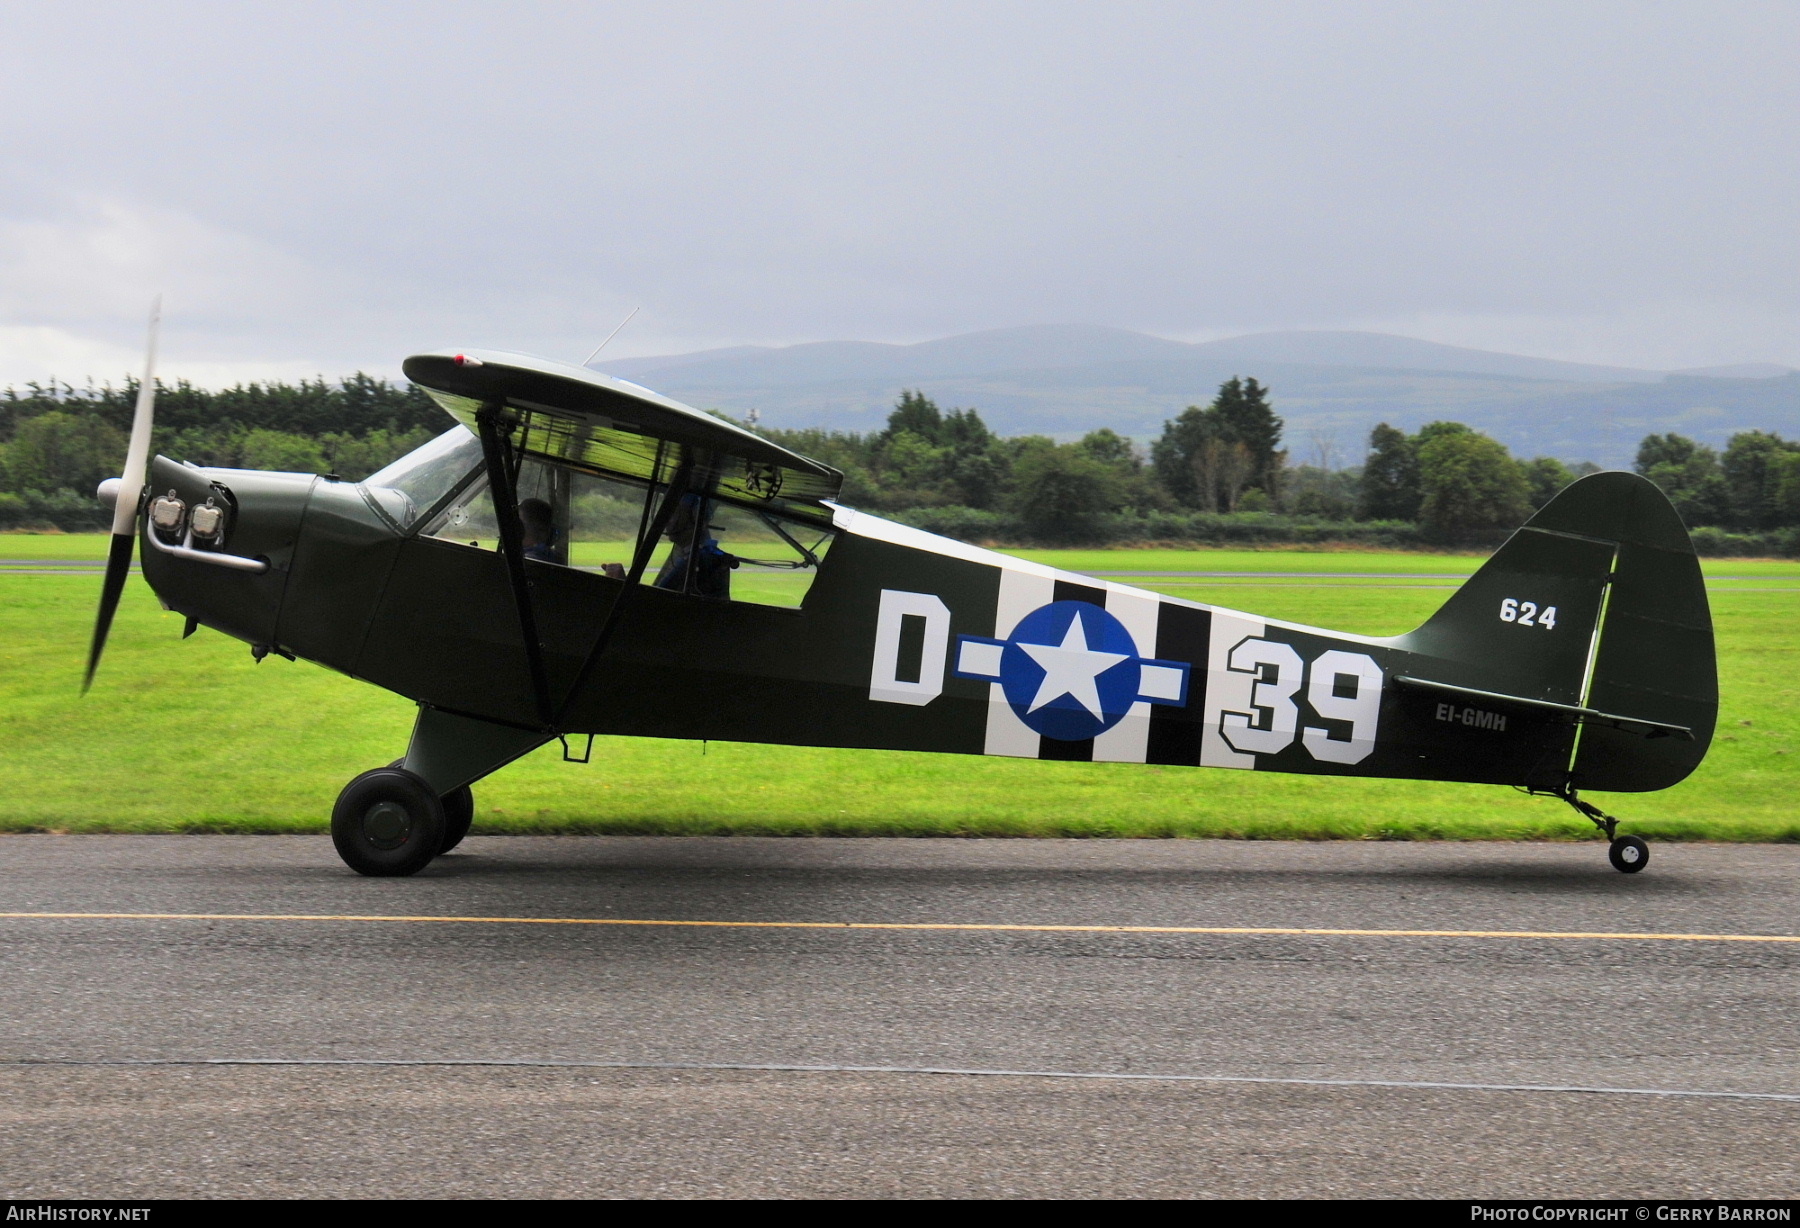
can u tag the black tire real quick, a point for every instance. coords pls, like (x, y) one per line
(1628, 854)
(387, 823)
(459, 813)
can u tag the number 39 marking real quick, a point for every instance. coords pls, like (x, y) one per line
(1527, 614)
(1270, 725)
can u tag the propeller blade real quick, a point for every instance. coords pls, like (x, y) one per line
(131, 486)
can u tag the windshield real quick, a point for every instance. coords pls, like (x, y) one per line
(418, 480)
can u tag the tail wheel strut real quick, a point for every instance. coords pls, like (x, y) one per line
(1628, 854)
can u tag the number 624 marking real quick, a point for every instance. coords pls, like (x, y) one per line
(1527, 613)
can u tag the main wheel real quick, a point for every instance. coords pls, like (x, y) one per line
(387, 823)
(1628, 854)
(459, 812)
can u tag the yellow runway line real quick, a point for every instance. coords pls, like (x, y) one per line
(971, 927)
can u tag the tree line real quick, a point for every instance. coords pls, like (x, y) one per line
(1218, 472)
(58, 441)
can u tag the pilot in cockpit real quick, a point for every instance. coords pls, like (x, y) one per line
(692, 544)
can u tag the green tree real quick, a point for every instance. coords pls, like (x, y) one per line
(1060, 492)
(914, 461)
(1206, 458)
(1689, 473)
(1753, 467)
(1245, 417)
(914, 412)
(1137, 484)
(1390, 476)
(1468, 482)
(975, 467)
(1111, 448)
(355, 457)
(59, 450)
(931, 457)
(1546, 476)
(281, 451)
(1311, 490)
(1177, 452)
(1787, 489)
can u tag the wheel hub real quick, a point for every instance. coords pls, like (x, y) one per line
(1629, 854)
(387, 825)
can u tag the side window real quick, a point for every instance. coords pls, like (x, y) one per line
(570, 519)
(604, 518)
(777, 559)
(576, 520)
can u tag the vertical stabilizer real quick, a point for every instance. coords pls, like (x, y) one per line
(1597, 603)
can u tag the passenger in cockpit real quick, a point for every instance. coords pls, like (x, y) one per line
(539, 530)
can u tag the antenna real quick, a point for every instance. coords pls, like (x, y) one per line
(609, 337)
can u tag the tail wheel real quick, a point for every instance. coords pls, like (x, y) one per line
(1628, 854)
(459, 812)
(388, 823)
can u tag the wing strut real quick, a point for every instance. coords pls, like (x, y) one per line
(512, 544)
(649, 530)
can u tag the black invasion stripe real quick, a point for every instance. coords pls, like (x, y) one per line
(1182, 634)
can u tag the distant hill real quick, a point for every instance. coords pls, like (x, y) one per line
(1331, 387)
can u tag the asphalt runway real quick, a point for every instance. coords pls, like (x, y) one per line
(593, 1059)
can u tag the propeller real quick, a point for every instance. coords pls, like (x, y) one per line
(125, 506)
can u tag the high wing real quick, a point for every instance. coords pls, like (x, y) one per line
(569, 416)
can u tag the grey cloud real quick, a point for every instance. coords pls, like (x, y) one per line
(341, 184)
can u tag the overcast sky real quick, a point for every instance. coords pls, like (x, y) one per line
(320, 187)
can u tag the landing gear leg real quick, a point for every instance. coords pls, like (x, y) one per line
(1628, 854)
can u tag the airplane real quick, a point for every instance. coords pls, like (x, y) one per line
(1578, 657)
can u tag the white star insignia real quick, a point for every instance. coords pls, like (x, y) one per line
(1071, 668)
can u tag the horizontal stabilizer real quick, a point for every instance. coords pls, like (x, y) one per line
(1652, 729)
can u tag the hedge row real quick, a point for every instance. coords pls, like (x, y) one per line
(61, 510)
(71, 512)
(1269, 529)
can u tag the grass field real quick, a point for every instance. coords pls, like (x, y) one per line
(192, 736)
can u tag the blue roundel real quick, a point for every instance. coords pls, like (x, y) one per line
(1070, 670)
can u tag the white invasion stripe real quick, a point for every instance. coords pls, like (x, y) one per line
(1021, 592)
(1129, 740)
(1226, 690)
(1583, 1089)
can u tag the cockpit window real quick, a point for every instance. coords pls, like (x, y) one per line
(594, 524)
(419, 480)
(773, 560)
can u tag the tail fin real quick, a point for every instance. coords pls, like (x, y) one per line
(1595, 607)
